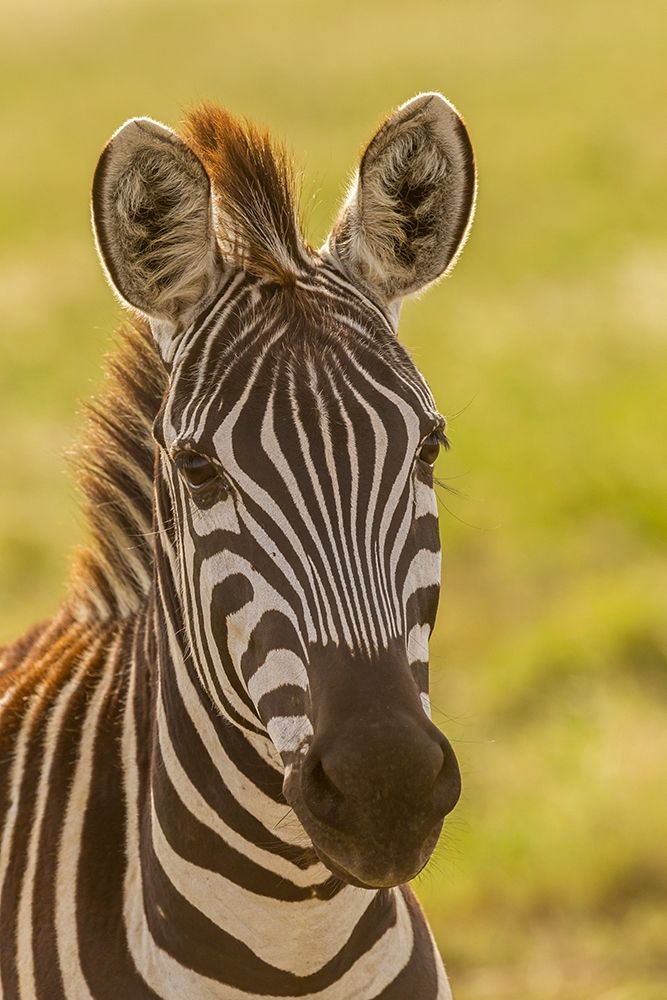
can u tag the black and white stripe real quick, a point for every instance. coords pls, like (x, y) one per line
(215, 761)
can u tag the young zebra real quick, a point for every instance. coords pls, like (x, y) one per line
(217, 769)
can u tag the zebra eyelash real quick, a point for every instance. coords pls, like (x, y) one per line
(442, 437)
(439, 432)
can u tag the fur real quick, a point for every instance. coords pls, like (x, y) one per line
(153, 223)
(255, 194)
(114, 469)
(411, 204)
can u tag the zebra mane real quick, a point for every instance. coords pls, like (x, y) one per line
(255, 193)
(114, 465)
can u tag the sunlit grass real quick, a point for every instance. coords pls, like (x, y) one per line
(548, 348)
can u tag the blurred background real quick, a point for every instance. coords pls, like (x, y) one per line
(547, 348)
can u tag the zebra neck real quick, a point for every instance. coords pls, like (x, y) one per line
(222, 883)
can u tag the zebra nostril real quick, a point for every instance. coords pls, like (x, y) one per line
(324, 799)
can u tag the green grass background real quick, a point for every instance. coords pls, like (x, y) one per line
(548, 349)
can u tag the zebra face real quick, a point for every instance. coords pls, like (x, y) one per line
(294, 492)
(299, 469)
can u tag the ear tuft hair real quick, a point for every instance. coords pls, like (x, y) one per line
(255, 194)
(152, 221)
(411, 205)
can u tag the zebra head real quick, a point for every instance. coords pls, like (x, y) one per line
(296, 517)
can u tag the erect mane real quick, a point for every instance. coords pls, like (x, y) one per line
(114, 468)
(255, 194)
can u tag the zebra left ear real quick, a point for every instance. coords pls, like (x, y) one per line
(411, 204)
(153, 223)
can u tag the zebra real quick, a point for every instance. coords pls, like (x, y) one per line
(218, 770)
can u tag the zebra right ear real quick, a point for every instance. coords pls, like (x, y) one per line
(153, 223)
(411, 204)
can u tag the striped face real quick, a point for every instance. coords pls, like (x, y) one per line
(297, 528)
(298, 442)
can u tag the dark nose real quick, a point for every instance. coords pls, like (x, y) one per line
(371, 772)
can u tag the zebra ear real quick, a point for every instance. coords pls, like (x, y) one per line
(411, 204)
(152, 217)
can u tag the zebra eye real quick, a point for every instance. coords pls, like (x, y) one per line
(202, 477)
(430, 448)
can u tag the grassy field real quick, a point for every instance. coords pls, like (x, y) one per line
(547, 347)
